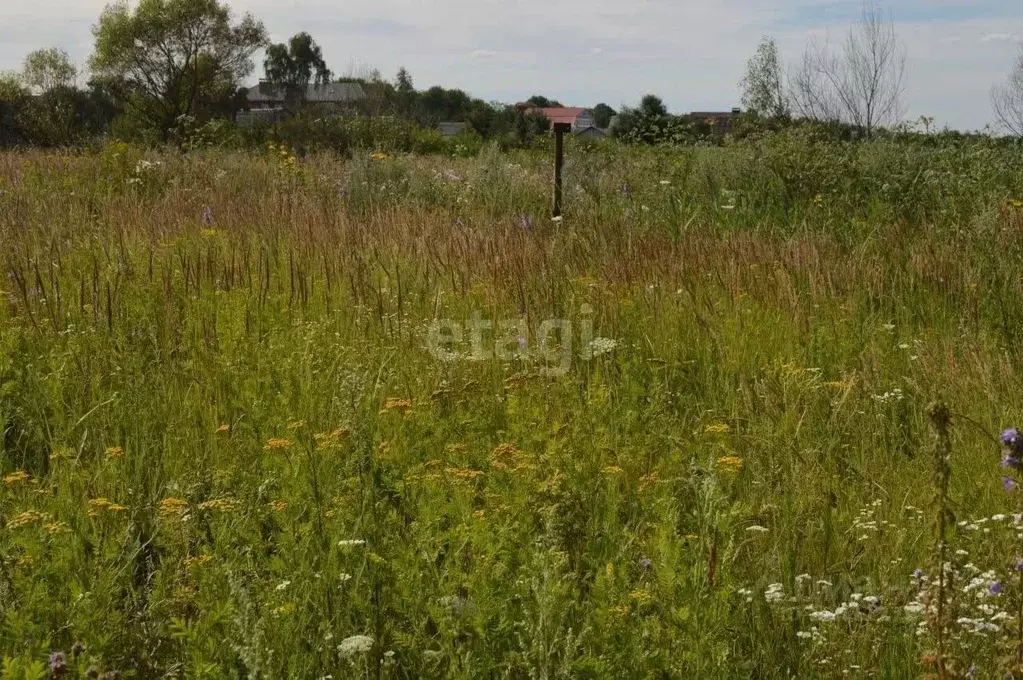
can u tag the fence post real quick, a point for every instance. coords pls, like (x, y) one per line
(559, 159)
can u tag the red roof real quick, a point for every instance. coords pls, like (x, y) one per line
(559, 115)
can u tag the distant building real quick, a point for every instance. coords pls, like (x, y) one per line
(721, 123)
(452, 128)
(590, 132)
(578, 118)
(268, 104)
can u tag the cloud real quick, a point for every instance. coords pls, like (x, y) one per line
(999, 37)
(484, 54)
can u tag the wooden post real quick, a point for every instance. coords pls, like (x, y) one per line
(559, 159)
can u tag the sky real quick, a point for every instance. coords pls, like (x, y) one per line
(692, 53)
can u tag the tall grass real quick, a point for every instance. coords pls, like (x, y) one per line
(228, 450)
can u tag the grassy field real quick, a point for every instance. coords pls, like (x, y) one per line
(255, 424)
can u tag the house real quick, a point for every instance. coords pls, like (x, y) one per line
(578, 118)
(590, 132)
(721, 123)
(268, 104)
(452, 129)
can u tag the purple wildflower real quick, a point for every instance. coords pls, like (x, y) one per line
(207, 215)
(526, 222)
(1008, 483)
(918, 574)
(646, 563)
(995, 588)
(58, 663)
(1010, 462)
(1010, 437)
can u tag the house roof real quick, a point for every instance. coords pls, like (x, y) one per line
(565, 114)
(328, 92)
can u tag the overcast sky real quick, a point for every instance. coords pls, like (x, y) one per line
(691, 52)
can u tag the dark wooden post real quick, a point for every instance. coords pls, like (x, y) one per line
(559, 159)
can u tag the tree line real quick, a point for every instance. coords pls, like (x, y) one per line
(167, 66)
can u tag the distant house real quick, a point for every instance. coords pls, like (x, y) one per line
(452, 129)
(268, 103)
(578, 118)
(721, 123)
(590, 132)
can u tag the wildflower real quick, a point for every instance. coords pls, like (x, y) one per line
(114, 452)
(223, 428)
(394, 402)
(282, 585)
(207, 215)
(612, 470)
(378, 156)
(646, 563)
(995, 588)
(351, 543)
(222, 504)
(1010, 462)
(198, 560)
(823, 615)
(758, 529)
(526, 223)
(601, 346)
(356, 644)
(1008, 483)
(774, 593)
(1010, 438)
(58, 663)
(557, 219)
(665, 182)
(730, 464)
(24, 519)
(717, 428)
(641, 595)
(276, 444)
(16, 477)
(172, 506)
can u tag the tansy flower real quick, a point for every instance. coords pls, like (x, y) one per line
(730, 464)
(114, 452)
(641, 595)
(26, 518)
(172, 506)
(298, 424)
(395, 402)
(16, 477)
(222, 504)
(275, 444)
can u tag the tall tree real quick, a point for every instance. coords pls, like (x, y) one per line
(602, 115)
(763, 92)
(861, 85)
(1007, 100)
(542, 102)
(44, 70)
(295, 65)
(170, 58)
(652, 106)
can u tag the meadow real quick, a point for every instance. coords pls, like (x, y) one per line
(703, 437)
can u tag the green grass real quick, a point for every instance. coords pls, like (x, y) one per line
(205, 413)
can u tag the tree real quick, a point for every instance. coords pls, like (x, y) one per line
(172, 58)
(862, 85)
(651, 106)
(43, 70)
(602, 115)
(762, 89)
(1007, 100)
(403, 82)
(293, 66)
(542, 102)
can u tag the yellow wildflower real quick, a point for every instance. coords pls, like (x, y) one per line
(641, 595)
(279, 506)
(276, 444)
(478, 514)
(622, 609)
(57, 528)
(16, 477)
(222, 504)
(170, 507)
(454, 448)
(223, 428)
(297, 425)
(612, 470)
(394, 402)
(730, 464)
(717, 428)
(379, 156)
(25, 518)
(114, 452)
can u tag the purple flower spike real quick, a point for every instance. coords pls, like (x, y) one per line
(995, 588)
